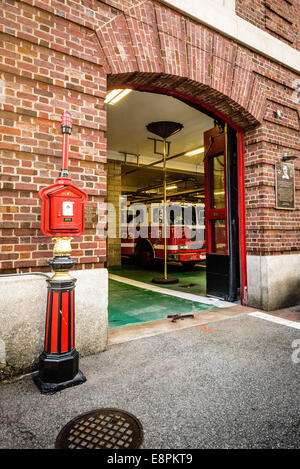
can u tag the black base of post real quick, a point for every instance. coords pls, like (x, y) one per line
(55, 368)
(165, 281)
(58, 371)
(52, 388)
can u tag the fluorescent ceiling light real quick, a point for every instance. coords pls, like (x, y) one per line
(112, 94)
(195, 152)
(116, 95)
(171, 187)
(120, 96)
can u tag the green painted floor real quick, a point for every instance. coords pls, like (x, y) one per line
(193, 275)
(132, 305)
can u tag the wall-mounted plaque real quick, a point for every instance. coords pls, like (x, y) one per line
(90, 216)
(285, 186)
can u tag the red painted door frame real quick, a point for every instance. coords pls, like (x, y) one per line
(206, 108)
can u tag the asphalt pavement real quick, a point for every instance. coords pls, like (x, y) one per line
(232, 384)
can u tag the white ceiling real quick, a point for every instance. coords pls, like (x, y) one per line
(128, 118)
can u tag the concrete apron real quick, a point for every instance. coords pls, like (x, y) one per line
(161, 326)
(289, 317)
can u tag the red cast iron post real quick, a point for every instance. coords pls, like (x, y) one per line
(62, 216)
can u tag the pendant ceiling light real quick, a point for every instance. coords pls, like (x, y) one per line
(164, 129)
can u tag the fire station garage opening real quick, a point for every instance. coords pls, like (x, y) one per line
(157, 184)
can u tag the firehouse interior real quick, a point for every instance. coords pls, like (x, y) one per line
(171, 169)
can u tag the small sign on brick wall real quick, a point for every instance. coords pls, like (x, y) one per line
(285, 186)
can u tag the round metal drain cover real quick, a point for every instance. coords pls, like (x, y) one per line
(101, 429)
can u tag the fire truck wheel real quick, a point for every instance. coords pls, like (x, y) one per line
(144, 256)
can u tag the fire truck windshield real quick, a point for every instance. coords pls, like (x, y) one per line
(180, 214)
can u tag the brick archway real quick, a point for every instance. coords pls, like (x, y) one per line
(210, 100)
(150, 44)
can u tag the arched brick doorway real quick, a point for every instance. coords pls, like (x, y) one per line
(149, 46)
(216, 105)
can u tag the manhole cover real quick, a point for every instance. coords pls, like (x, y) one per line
(101, 429)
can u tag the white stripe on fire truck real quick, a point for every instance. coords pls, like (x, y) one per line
(170, 248)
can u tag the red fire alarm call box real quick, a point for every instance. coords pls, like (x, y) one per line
(62, 209)
(63, 203)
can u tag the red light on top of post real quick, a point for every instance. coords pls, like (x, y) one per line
(66, 121)
(66, 128)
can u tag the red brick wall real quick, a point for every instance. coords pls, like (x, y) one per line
(57, 56)
(281, 18)
(48, 65)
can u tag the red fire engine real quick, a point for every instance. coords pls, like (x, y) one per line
(142, 233)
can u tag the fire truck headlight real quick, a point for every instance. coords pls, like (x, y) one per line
(182, 246)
